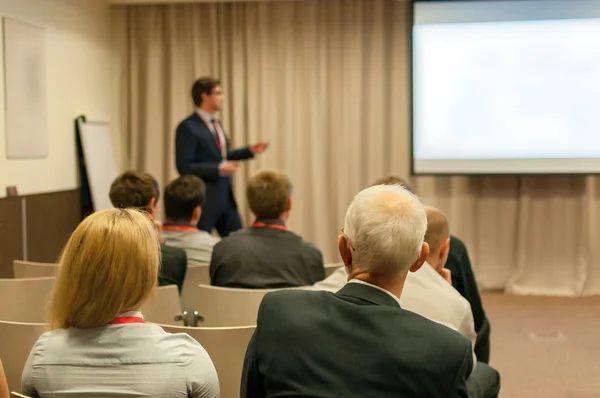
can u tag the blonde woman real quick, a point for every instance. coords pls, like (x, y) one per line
(98, 343)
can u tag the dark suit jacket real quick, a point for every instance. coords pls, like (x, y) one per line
(174, 266)
(463, 280)
(357, 342)
(196, 153)
(264, 258)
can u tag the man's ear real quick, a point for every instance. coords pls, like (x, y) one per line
(152, 207)
(345, 250)
(197, 213)
(288, 205)
(421, 259)
(445, 248)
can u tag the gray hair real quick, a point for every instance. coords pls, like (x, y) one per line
(386, 226)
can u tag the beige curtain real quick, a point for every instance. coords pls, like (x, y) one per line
(328, 84)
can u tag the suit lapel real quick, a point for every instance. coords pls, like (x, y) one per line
(369, 294)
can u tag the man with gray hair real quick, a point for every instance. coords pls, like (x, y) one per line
(359, 342)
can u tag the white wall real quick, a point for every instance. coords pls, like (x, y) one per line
(79, 61)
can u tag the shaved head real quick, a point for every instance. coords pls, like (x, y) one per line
(438, 229)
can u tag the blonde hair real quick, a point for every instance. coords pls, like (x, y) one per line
(386, 226)
(268, 192)
(109, 265)
(438, 229)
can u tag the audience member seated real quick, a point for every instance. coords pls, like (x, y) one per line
(137, 190)
(463, 280)
(359, 342)
(4, 393)
(428, 292)
(266, 255)
(184, 198)
(98, 344)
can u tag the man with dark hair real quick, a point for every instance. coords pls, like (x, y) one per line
(133, 189)
(184, 198)
(463, 280)
(203, 149)
(266, 255)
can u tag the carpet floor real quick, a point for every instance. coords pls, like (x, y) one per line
(545, 346)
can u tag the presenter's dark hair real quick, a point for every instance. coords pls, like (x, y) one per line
(182, 196)
(133, 189)
(203, 85)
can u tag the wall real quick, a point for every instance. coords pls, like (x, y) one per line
(79, 61)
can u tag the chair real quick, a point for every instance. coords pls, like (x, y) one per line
(227, 348)
(24, 300)
(164, 307)
(16, 394)
(16, 341)
(197, 274)
(330, 268)
(30, 269)
(223, 306)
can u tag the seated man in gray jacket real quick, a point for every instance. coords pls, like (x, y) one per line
(184, 198)
(266, 255)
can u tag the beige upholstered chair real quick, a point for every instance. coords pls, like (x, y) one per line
(227, 348)
(30, 269)
(197, 274)
(16, 341)
(222, 306)
(330, 268)
(24, 300)
(164, 307)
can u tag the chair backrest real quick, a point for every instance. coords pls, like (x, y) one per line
(227, 348)
(16, 341)
(330, 268)
(197, 274)
(164, 306)
(16, 394)
(227, 307)
(24, 300)
(30, 269)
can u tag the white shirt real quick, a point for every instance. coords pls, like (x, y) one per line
(426, 293)
(132, 359)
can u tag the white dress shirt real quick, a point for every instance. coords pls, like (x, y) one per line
(426, 293)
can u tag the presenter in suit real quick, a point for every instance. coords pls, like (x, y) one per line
(202, 149)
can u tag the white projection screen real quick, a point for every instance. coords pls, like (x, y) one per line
(506, 87)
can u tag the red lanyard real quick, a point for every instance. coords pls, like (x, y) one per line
(179, 228)
(262, 225)
(126, 319)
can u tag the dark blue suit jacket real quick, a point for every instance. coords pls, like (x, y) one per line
(196, 153)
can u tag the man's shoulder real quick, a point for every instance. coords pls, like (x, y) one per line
(192, 121)
(291, 296)
(457, 245)
(173, 252)
(435, 334)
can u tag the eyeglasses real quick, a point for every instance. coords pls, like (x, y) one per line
(348, 239)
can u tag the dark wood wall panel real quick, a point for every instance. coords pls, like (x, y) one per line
(11, 234)
(51, 218)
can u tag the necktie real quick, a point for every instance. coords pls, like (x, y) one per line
(217, 138)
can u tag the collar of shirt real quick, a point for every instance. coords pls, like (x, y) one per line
(137, 314)
(268, 221)
(376, 287)
(207, 117)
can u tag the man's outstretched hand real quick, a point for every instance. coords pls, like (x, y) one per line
(259, 147)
